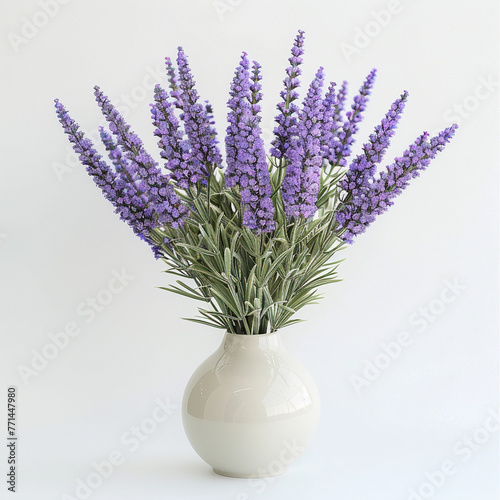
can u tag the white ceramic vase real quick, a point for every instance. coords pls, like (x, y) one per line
(251, 408)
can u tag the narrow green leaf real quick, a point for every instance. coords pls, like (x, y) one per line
(179, 291)
(203, 322)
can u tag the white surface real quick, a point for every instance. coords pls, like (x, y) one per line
(60, 244)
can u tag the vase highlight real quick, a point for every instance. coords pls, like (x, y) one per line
(251, 408)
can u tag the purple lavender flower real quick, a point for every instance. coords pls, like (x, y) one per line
(300, 186)
(362, 169)
(174, 148)
(238, 129)
(340, 103)
(390, 183)
(125, 181)
(245, 154)
(103, 176)
(201, 135)
(258, 212)
(210, 114)
(331, 125)
(413, 161)
(121, 164)
(173, 83)
(256, 88)
(346, 134)
(163, 204)
(132, 209)
(288, 110)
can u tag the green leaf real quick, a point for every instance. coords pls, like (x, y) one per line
(179, 291)
(203, 251)
(203, 322)
(227, 262)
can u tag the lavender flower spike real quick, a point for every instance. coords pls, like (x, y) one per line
(288, 110)
(413, 161)
(245, 154)
(258, 212)
(163, 204)
(201, 134)
(130, 209)
(362, 169)
(173, 83)
(353, 117)
(174, 149)
(300, 186)
(238, 129)
(121, 164)
(341, 98)
(330, 124)
(97, 168)
(392, 182)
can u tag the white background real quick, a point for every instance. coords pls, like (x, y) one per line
(60, 243)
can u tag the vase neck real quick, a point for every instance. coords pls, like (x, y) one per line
(267, 341)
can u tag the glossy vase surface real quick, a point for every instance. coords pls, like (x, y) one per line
(251, 408)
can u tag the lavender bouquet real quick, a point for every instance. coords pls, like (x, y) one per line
(256, 237)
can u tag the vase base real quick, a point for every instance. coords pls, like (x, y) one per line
(265, 473)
